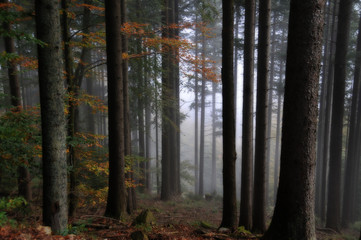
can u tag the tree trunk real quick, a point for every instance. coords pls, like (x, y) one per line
(55, 210)
(351, 161)
(116, 203)
(166, 111)
(196, 130)
(203, 109)
(259, 199)
(24, 179)
(321, 121)
(334, 177)
(245, 217)
(214, 143)
(294, 212)
(328, 112)
(229, 216)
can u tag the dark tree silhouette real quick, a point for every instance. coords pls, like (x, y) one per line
(229, 217)
(334, 177)
(259, 194)
(53, 125)
(245, 217)
(294, 212)
(116, 203)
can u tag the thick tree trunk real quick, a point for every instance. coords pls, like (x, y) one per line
(259, 197)
(24, 179)
(334, 177)
(55, 210)
(294, 212)
(116, 202)
(229, 216)
(245, 217)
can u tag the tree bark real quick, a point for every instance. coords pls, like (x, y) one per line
(203, 109)
(294, 212)
(259, 198)
(229, 216)
(245, 217)
(334, 177)
(55, 209)
(116, 203)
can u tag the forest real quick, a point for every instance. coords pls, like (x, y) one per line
(180, 119)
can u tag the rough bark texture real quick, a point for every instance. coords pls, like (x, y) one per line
(116, 203)
(259, 197)
(334, 177)
(196, 130)
(55, 210)
(229, 216)
(24, 179)
(294, 212)
(245, 217)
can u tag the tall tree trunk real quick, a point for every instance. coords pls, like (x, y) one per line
(294, 212)
(245, 217)
(131, 197)
(196, 130)
(334, 177)
(147, 137)
(71, 89)
(166, 111)
(214, 137)
(328, 112)
(259, 199)
(351, 161)
(55, 209)
(24, 179)
(321, 121)
(203, 109)
(116, 202)
(229, 216)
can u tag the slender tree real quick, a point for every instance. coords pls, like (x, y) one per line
(229, 216)
(53, 125)
(259, 197)
(245, 217)
(334, 177)
(116, 203)
(349, 190)
(294, 212)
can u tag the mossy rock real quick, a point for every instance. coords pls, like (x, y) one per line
(139, 235)
(146, 218)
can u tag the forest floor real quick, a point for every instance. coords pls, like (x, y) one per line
(189, 218)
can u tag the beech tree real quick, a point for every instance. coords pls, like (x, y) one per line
(53, 124)
(294, 212)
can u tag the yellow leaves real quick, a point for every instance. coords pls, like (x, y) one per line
(94, 102)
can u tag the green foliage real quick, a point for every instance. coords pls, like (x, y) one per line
(76, 229)
(11, 205)
(242, 230)
(20, 140)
